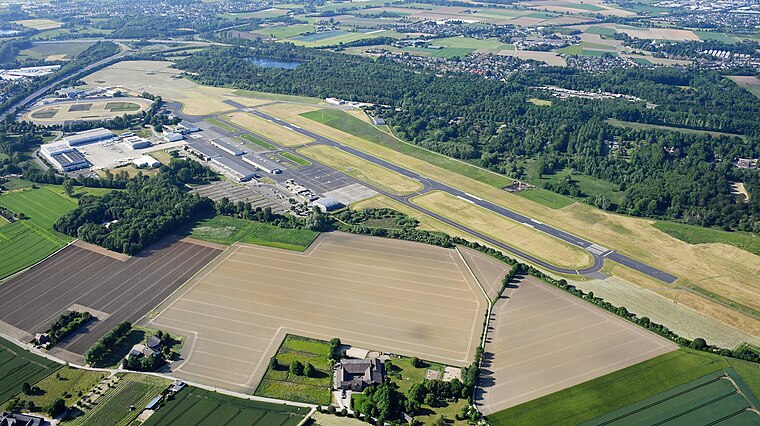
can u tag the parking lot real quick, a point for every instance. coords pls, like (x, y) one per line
(258, 196)
(114, 290)
(388, 295)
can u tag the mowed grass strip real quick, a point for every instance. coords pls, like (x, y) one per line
(122, 106)
(505, 230)
(18, 366)
(344, 122)
(229, 230)
(257, 141)
(113, 407)
(296, 159)
(616, 390)
(268, 129)
(205, 408)
(362, 169)
(699, 235)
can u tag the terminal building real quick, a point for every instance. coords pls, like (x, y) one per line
(89, 136)
(262, 164)
(233, 169)
(227, 147)
(63, 157)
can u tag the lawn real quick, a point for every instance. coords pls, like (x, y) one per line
(122, 106)
(296, 159)
(257, 141)
(228, 230)
(221, 124)
(281, 383)
(638, 126)
(361, 169)
(26, 242)
(344, 122)
(67, 383)
(590, 186)
(18, 366)
(113, 406)
(613, 391)
(699, 235)
(205, 408)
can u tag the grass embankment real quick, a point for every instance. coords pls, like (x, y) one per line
(113, 406)
(699, 235)
(616, 390)
(281, 383)
(27, 241)
(228, 230)
(344, 122)
(505, 230)
(361, 169)
(18, 366)
(205, 408)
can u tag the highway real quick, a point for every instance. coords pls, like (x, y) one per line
(597, 252)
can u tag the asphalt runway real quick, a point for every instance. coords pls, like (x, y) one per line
(121, 290)
(597, 252)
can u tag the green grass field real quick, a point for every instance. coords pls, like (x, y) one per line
(589, 185)
(224, 125)
(600, 396)
(282, 384)
(67, 383)
(470, 43)
(602, 31)
(257, 141)
(699, 235)
(709, 35)
(194, 406)
(296, 159)
(349, 124)
(66, 50)
(18, 366)
(228, 230)
(704, 400)
(112, 408)
(122, 106)
(25, 242)
(451, 52)
(546, 198)
(639, 126)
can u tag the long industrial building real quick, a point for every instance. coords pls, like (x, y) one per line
(63, 157)
(88, 136)
(233, 169)
(262, 163)
(203, 151)
(227, 147)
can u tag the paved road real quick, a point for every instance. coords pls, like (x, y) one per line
(597, 252)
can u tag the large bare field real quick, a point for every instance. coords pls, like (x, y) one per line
(549, 58)
(720, 268)
(275, 132)
(362, 169)
(505, 230)
(543, 339)
(86, 110)
(374, 293)
(155, 77)
(111, 288)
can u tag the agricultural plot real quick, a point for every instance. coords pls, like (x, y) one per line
(228, 230)
(19, 366)
(26, 242)
(60, 112)
(532, 320)
(750, 83)
(39, 24)
(113, 407)
(716, 398)
(280, 383)
(204, 408)
(55, 51)
(120, 290)
(394, 296)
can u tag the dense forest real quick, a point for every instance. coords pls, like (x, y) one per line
(661, 173)
(149, 208)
